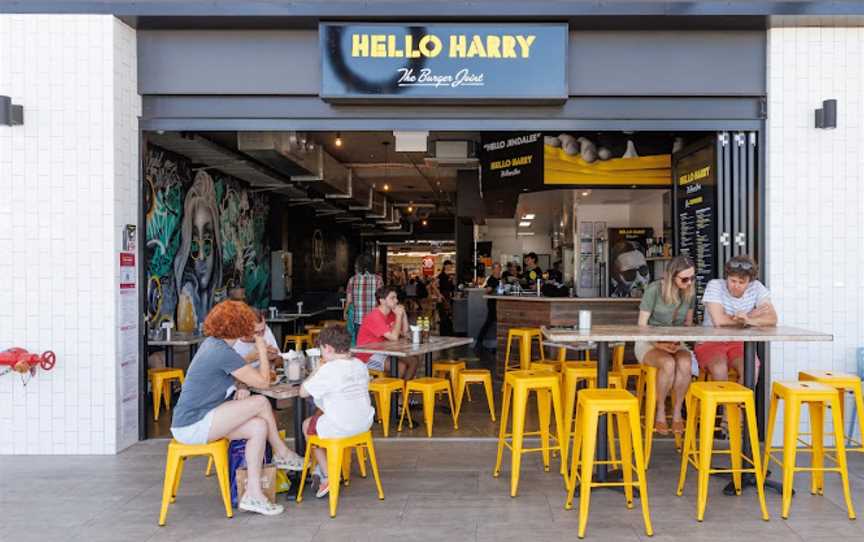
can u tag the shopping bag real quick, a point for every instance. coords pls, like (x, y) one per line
(236, 461)
(268, 482)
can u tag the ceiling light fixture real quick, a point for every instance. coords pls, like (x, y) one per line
(525, 224)
(386, 187)
(410, 208)
(338, 141)
(529, 216)
(525, 233)
(585, 194)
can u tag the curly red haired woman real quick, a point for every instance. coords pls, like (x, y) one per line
(204, 413)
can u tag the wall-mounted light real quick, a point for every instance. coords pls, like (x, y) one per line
(338, 141)
(425, 222)
(386, 187)
(10, 114)
(826, 118)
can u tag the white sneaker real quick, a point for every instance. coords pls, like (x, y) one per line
(260, 506)
(293, 463)
(323, 488)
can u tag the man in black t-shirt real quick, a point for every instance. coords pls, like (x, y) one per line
(491, 287)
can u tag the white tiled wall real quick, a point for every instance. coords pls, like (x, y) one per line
(67, 183)
(816, 190)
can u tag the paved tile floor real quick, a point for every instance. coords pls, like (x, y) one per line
(441, 489)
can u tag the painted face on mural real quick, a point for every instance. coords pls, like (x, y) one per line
(203, 243)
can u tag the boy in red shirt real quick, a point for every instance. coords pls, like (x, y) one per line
(386, 322)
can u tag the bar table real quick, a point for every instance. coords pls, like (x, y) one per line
(603, 335)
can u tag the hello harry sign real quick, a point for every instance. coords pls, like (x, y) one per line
(443, 62)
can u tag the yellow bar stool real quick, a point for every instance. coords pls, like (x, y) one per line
(817, 397)
(703, 398)
(547, 365)
(160, 383)
(574, 373)
(526, 336)
(843, 383)
(177, 454)
(300, 342)
(336, 448)
(474, 376)
(628, 371)
(517, 386)
(448, 369)
(377, 373)
(427, 387)
(646, 393)
(383, 389)
(313, 335)
(624, 408)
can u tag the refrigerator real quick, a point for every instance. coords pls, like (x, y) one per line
(628, 269)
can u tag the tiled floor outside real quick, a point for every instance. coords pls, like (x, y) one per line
(436, 490)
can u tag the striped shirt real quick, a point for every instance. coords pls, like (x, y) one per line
(361, 293)
(716, 292)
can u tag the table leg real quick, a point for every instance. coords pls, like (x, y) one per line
(749, 480)
(602, 383)
(394, 399)
(169, 356)
(427, 358)
(299, 416)
(280, 337)
(193, 349)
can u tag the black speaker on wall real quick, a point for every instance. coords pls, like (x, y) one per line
(826, 117)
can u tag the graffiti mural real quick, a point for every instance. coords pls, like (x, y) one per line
(205, 236)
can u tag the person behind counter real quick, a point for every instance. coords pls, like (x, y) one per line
(739, 300)
(491, 286)
(532, 270)
(510, 275)
(669, 302)
(204, 414)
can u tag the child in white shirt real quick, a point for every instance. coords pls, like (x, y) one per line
(340, 389)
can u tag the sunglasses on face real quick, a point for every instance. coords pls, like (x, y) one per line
(743, 266)
(201, 248)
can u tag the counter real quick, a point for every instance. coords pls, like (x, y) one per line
(532, 311)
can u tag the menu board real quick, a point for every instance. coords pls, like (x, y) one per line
(695, 176)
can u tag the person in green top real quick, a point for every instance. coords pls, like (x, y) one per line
(669, 302)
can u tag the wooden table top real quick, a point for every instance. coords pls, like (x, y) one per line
(281, 319)
(624, 300)
(611, 333)
(404, 347)
(178, 339)
(279, 391)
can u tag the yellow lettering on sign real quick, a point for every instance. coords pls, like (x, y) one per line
(493, 47)
(378, 45)
(525, 43)
(458, 46)
(393, 50)
(360, 45)
(476, 48)
(508, 44)
(430, 45)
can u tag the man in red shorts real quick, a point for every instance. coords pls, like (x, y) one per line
(738, 300)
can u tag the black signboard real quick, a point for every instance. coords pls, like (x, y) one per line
(696, 185)
(443, 62)
(511, 161)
